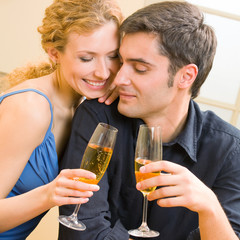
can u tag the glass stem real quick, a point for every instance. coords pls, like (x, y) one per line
(144, 226)
(75, 213)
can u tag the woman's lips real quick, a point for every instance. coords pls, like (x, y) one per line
(95, 83)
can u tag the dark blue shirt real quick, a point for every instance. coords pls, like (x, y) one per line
(208, 147)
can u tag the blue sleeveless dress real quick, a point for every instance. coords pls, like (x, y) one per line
(41, 168)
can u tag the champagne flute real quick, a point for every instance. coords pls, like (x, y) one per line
(148, 149)
(95, 159)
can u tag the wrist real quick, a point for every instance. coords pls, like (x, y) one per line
(46, 196)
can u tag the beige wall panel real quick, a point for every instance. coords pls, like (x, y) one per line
(20, 41)
(130, 6)
(223, 113)
(47, 228)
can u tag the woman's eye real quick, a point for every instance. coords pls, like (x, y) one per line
(86, 59)
(115, 56)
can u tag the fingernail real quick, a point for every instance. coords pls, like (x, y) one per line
(90, 193)
(96, 187)
(142, 169)
(138, 186)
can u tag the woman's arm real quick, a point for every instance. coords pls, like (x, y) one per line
(22, 128)
(96, 214)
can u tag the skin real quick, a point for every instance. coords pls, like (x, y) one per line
(142, 82)
(88, 60)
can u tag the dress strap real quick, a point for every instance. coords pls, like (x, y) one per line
(31, 90)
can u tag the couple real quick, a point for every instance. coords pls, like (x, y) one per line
(166, 54)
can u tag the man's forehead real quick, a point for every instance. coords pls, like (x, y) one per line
(139, 38)
(139, 45)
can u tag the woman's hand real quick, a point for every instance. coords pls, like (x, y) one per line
(65, 190)
(110, 96)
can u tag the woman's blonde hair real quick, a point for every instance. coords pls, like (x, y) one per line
(63, 17)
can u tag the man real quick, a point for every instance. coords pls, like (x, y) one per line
(166, 52)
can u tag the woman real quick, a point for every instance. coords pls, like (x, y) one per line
(81, 40)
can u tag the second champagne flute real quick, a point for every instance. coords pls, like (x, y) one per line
(95, 159)
(148, 149)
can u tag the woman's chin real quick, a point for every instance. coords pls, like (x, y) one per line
(94, 95)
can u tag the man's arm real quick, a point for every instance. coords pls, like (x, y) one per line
(182, 188)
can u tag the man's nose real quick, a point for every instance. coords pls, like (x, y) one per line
(122, 77)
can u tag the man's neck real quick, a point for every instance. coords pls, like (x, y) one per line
(172, 122)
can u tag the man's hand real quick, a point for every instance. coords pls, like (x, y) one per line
(179, 187)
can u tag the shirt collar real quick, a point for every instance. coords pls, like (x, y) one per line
(188, 138)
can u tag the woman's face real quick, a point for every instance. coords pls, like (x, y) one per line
(90, 61)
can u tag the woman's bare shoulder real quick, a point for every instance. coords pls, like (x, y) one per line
(27, 109)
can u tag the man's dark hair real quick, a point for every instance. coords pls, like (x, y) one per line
(181, 34)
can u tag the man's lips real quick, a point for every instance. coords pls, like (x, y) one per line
(126, 94)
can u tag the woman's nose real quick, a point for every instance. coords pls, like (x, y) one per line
(102, 70)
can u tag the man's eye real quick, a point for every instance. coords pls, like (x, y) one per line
(140, 69)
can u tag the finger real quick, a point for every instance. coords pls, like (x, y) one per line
(70, 200)
(71, 173)
(165, 192)
(108, 93)
(162, 165)
(171, 202)
(103, 98)
(73, 184)
(65, 192)
(112, 97)
(159, 181)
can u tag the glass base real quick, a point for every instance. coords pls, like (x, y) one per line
(71, 222)
(143, 233)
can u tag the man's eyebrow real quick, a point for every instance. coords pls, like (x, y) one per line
(140, 60)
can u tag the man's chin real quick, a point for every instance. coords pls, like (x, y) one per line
(125, 110)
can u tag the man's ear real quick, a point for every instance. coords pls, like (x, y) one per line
(53, 54)
(188, 76)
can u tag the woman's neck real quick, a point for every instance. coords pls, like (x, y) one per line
(66, 95)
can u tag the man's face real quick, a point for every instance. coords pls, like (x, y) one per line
(143, 79)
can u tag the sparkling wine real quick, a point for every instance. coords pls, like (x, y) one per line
(86, 180)
(142, 176)
(96, 160)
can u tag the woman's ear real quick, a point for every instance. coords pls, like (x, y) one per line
(53, 54)
(188, 76)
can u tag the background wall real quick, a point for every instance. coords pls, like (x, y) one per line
(20, 44)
